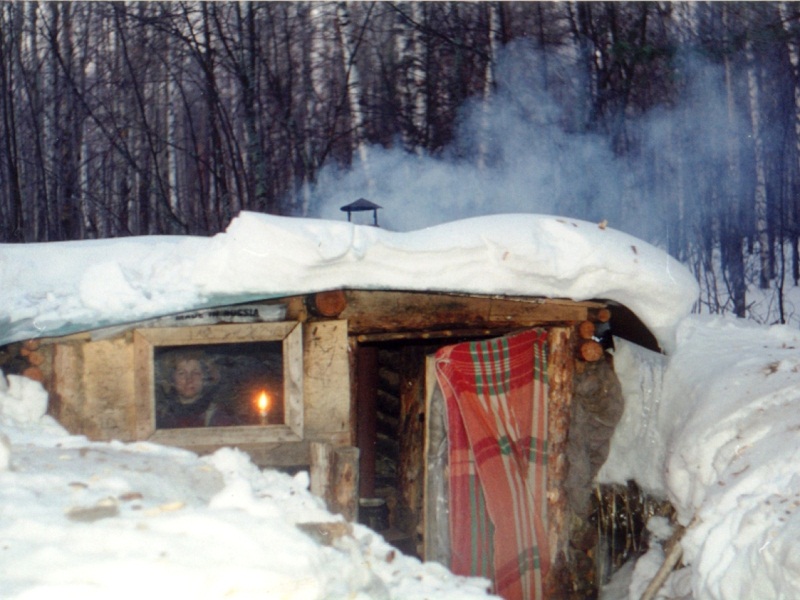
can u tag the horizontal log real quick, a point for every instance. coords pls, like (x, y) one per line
(375, 312)
(431, 335)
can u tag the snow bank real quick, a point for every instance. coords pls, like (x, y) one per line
(55, 288)
(638, 447)
(89, 520)
(720, 434)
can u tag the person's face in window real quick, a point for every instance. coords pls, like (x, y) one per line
(188, 380)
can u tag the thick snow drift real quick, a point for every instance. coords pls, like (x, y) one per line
(86, 520)
(716, 428)
(51, 289)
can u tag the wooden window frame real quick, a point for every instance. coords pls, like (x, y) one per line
(146, 340)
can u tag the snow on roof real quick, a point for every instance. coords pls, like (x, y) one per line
(57, 288)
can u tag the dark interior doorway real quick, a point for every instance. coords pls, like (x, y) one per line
(390, 407)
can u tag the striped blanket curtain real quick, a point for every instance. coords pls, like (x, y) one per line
(496, 397)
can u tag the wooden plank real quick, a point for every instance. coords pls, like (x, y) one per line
(143, 378)
(293, 376)
(293, 454)
(226, 333)
(382, 311)
(326, 377)
(320, 468)
(192, 437)
(108, 382)
(274, 454)
(431, 335)
(67, 396)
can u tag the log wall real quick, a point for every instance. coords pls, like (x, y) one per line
(93, 392)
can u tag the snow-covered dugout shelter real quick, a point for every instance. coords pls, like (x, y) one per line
(360, 354)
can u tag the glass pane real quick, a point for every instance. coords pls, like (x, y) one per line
(219, 385)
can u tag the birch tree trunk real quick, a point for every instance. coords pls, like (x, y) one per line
(488, 82)
(760, 192)
(12, 213)
(317, 88)
(793, 50)
(218, 194)
(35, 107)
(248, 80)
(349, 44)
(171, 73)
(730, 234)
(411, 55)
(53, 89)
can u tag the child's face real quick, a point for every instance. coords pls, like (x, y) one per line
(188, 379)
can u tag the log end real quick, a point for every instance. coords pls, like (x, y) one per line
(329, 304)
(586, 330)
(590, 351)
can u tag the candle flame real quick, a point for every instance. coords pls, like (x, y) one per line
(263, 403)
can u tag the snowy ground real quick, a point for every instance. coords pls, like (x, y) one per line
(88, 520)
(716, 429)
(714, 426)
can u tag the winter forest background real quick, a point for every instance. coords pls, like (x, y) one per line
(675, 122)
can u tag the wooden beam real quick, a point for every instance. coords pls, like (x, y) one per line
(375, 312)
(430, 335)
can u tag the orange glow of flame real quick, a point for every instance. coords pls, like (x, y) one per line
(263, 403)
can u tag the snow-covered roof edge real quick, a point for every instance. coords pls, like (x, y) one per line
(57, 288)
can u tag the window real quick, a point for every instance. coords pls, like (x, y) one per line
(219, 385)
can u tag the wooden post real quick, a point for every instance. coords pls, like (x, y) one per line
(560, 369)
(334, 478)
(320, 469)
(344, 487)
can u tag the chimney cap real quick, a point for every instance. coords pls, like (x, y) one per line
(359, 205)
(362, 204)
